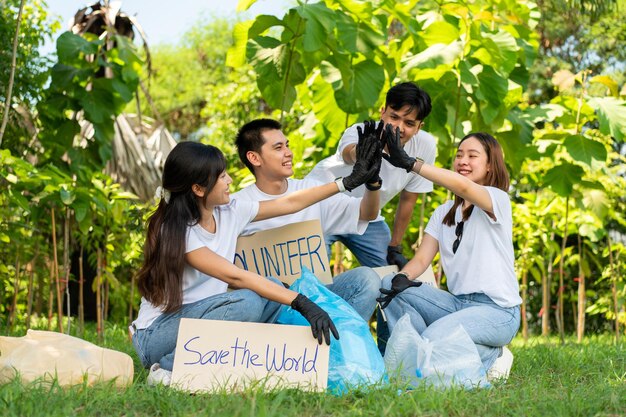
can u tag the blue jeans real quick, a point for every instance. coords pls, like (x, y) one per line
(370, 248)
(434, 313)
(359, 287)
(157, 342)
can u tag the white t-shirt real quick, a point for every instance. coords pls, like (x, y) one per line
(230, 220)
(338, 214)
(422, 145)
(484, 260)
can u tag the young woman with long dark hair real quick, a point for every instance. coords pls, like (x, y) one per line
(190, 245)
(473, 235)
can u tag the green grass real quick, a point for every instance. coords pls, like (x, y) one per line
(548, 379)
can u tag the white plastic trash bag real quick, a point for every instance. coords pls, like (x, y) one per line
(42, 355)
(452, 360)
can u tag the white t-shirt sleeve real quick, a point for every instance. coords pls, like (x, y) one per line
(501, 206)
(434, 227)
(350, 136)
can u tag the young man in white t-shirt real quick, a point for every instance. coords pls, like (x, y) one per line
(406, 107)
(264, 149)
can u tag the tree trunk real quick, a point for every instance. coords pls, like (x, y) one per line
(613, 288)
(56, 273)
(546, 292)
(66, 266)
(559, 311)
(7, 103)
(31, 278)
(580, 328)
(16, 290)
(524, 304)
(99, 295)
(81, 294)
(50, 294)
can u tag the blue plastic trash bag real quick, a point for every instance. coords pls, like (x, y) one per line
(453, 360)
(354, 359)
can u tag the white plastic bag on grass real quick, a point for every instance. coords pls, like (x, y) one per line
(452, 360)
(42, 355)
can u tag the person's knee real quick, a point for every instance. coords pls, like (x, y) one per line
(370, 281)
(250, 306)
(386, 281)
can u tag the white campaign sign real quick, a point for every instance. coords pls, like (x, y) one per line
(281, 252)
(214, 354)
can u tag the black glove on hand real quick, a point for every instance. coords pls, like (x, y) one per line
(320, 321)
(397, 155)
(399, 283)
(395, 256)
(368, 157)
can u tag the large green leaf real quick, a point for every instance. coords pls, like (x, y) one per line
(433, 56)
(326, 109)
(358, 36)
(98, 103)
(64, 76)
(492, 90)
(236, 56)
(562, 178)
(362, 88)
(320, 21)
(612, 115)
(279, 71)
(71, 46)
(584, 150)
(440, 32)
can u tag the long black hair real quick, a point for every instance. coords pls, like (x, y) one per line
(160, 277)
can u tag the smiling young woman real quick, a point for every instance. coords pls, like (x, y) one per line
(473, 235)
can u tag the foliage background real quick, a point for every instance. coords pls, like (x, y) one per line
(546, 78)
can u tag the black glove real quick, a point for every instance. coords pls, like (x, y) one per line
(399, 283)
(397, 155)
(368, 157)
(395, 256)
(320, 321)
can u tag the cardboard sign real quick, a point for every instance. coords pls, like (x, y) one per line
(281, 252)
(212, 355)
(428, 276)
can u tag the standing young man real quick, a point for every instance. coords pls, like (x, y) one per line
(406, 107)
(264, 149)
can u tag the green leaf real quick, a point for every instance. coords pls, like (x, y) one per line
(236, 56)
(584, 150)
(612, 115)
(70, 46)
(608, 82)
(562, 178)
(320, 21)
(440, 32)
(358, 37)
(279, 71)
(65, 76)
(362, 88)
(81, 208)
(67, 196)
(325, 107)
(433, 56)
(244, 5)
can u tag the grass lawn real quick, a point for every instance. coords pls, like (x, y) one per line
(548, 379)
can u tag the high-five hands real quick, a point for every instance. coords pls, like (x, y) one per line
(399, 283)
(397, 155)
(368, 157)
